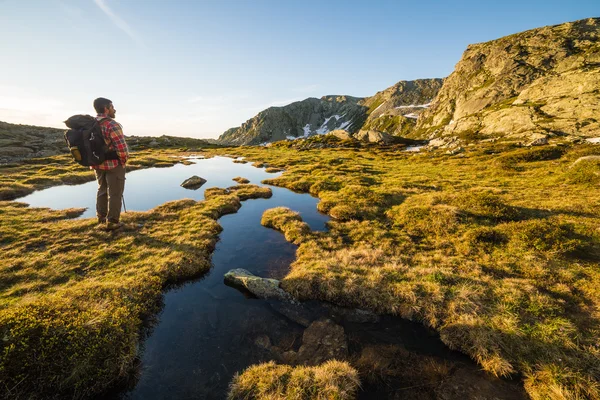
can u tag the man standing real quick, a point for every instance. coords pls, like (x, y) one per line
(111, 173)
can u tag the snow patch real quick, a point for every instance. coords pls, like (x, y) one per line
(306, 130)
(323, 129)
(345, 124)
(377, 107)
(416, 106)
(593, 140)
(411, 115)
(413, 149)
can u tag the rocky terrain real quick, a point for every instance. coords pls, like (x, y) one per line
(528, 86)
(300, 119)
(392, 112)
(532, 84)
(395, 110)
(19, 142)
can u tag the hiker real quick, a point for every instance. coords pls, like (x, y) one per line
(111, 173)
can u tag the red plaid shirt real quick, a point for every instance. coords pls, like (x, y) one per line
(113, 133)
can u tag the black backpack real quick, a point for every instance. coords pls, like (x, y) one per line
(86, 142)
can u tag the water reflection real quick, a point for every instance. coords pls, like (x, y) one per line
(148, 188)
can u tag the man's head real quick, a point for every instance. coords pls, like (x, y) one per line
(104, 106)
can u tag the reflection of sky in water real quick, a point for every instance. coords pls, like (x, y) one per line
(148, 188)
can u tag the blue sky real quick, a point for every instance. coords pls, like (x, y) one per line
(197, 67)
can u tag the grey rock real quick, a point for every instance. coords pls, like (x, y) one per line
(540, 141)
(375, 137)
(532, 81)
(323, 340)
(341, 134)
(263, 288)
(294, 312)
(193, 182)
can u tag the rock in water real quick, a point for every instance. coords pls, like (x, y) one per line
(323, 340)
(263, 288)
(193, 183)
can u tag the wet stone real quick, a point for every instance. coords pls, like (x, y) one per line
(193, 182)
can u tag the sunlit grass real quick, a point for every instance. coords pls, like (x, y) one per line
(73, 296)
(498, 249)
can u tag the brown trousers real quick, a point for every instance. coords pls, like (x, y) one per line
(111, 184)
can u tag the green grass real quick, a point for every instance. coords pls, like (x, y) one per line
(498, 249)
(74, 297)
(503, 262)
(332, 380)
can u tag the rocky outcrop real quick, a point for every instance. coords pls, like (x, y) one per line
(263, 288)
(395, 110)
(299, 120)
(374, 137)
(19, 142)
(392, 111)
(540, 82)
(193, 182)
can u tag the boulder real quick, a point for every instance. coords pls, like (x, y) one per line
(341, 134)
(263, 288)
(323, 340)
(539, 141)
(586, 158)
(374, 137)
(193, 183)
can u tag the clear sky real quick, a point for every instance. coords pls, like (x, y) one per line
(198, 67)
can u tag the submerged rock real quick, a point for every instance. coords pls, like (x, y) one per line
(193, 183)
(323, 340)
(263, 288)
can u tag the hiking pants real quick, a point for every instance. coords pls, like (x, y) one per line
(111, 184)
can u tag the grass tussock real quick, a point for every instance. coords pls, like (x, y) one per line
(287, 221)
(332, 380)
(241, 180)
(498, 249)
(74, 297)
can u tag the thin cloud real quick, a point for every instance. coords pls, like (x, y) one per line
(119, 22)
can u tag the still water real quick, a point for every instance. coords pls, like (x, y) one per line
(208, 331)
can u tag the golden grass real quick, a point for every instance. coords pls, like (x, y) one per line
(497, 248)
(20, 179)
(74, 296)
(332, 380)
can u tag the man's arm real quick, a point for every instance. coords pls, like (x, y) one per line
(118, 140)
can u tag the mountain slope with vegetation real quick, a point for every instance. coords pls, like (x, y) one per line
(392, 111)
(543, 81)
(395, 110)
(299, 119)
(20, 142)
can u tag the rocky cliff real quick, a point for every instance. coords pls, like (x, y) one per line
(544, 81)
(392, 111)
(300, 119)
(395, 110)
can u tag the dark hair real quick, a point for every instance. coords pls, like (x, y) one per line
(101, 103)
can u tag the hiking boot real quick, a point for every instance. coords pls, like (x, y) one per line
(111, 226)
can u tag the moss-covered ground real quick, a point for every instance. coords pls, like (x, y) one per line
(332, 380)
(74, 297)
(497, 248)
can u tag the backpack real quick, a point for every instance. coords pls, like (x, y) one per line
(86, 141)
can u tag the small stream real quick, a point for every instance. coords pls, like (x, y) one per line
(208, 331)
